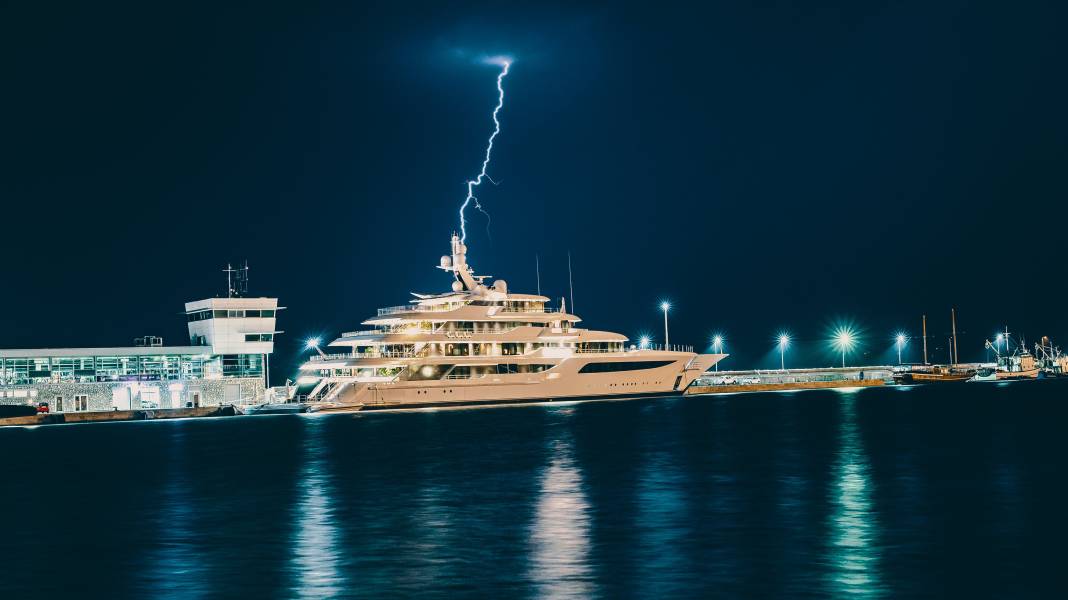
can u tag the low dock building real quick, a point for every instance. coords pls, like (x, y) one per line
(226, 362)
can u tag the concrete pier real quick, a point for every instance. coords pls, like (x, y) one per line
(726, 382)
(120, 415)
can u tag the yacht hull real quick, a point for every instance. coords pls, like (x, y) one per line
(563, 382)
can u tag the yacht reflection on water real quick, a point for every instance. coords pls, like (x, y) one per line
(316, 556)
(176, 563)
(854, 529)
(560, 534)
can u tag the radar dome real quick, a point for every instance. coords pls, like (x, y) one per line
(501, 286)
(446, 261)
(457, 286)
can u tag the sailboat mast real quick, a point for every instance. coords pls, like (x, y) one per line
(953, 316)
(925, 339)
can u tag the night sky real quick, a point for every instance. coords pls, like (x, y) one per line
(762, 165)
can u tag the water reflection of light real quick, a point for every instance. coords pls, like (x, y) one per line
(854, 528)
(175, 567)
(315, 556)
(662, 527)
(560, 535)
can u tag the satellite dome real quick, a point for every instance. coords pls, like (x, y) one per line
(446, 261)
(463, 248)
(457, 286)
(501, 286)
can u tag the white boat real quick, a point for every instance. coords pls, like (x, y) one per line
(480, 343)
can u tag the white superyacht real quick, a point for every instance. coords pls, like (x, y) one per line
(481, 343)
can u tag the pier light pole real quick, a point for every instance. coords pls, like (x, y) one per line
(900, 339)
(844, 339)
(784, 342)
(717, 345)
(664, 306)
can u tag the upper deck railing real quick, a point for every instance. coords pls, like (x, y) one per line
(540, 310)
(375, 354)
(403, 308)
(364, 333)
(664, 348)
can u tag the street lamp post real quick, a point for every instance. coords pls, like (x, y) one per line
(717, 345)
(844, 339)
(784, 341)
(665, 306)
(900, 343)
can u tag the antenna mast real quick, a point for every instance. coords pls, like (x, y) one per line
(236, 280)
(570, 281)
(537, 268)
(229, 270)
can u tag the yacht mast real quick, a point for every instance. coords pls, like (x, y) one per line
(537, 269)
(570, 281)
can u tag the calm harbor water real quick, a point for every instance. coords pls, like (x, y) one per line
(894, 493)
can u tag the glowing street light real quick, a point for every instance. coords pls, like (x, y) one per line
(717, 345)
(314, 343)
(901, 339)
(1000, 337)
(844, 339)
(664, 306)
(784, 343)
(643, 343)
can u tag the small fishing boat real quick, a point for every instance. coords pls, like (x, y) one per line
(933, 374)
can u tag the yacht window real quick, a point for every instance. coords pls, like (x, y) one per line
(427, 372)
(614, 367)
(457, 350)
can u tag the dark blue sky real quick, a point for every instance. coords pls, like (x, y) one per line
(763, 165)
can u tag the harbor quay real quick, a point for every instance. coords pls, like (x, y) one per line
(720, 382)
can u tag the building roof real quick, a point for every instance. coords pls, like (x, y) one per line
(123, 351)
(233, 303)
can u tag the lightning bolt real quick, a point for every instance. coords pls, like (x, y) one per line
(504, 63)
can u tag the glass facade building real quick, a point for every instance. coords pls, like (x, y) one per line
(104, 368)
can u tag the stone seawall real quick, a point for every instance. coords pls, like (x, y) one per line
(120, 415)
(134, 395)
